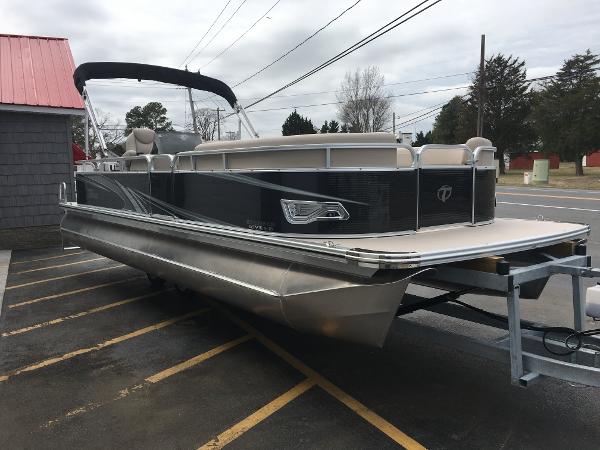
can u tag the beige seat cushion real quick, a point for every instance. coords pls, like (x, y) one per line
(138, 165)
(485, 158)
(141, 140)
(161, 163)
(446, 156)
(303, 139)
(404, 158)
(238, 156)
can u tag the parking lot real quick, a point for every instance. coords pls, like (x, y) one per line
(93, 356)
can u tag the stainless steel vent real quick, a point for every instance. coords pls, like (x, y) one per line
(299, 212)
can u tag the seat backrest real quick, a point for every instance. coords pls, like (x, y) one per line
(485, 158)
(140, 141)
(444, 156)
(138, 165)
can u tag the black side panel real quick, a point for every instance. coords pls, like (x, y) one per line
(485, 191)
(161, 191)
(377, 202)
(120, 190)
(445, 196)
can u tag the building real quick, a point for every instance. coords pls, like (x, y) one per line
(592, 160)
(37, 102)
(525, 161)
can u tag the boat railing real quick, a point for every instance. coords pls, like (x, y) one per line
(391, 156)
(342, 156)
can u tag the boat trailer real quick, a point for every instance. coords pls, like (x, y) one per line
(533, 350)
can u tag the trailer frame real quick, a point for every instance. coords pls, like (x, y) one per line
(520, 347)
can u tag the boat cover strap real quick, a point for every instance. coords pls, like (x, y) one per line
(135, 71)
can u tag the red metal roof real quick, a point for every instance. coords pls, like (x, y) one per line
(37, 71)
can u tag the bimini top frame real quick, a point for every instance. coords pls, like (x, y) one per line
(135, 71)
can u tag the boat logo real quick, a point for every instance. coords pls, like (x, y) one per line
(444, 193)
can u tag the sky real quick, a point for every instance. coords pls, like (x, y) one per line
(444, 41)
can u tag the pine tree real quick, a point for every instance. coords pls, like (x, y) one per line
(507, 106)
(567, 110)
(422, 139)
(297, 124)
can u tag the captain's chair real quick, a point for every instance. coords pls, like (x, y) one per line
(139, 142)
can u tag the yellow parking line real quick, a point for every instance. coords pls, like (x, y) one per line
(370, 416)
(8, 288)
(101, 345)
(196, 360)
(57, 266)
(255, 418)
(47, 258)
(522, 194)
(76, 291)
(82, 313)
(160, 376)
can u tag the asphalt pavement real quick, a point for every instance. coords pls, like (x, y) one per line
(91, 356)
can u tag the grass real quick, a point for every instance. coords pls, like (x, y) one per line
(563, 177)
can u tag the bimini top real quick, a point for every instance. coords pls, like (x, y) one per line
(134, 71)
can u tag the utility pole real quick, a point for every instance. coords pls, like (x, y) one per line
(194, 123)
(86, 129)
(218, 124)
(481, 89)
(394, 123)
(239, 133)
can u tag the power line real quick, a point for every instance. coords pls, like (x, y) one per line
(428, 109)
(217, 33)
(434, 111)
(384, 85)
(376, 34)
(241, 35)
(407, 94)
(297, 45)
(203, 36)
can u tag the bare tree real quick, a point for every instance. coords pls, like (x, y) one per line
(113, 133)
(206, 119)
(365, 106)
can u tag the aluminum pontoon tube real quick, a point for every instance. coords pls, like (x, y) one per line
(305, 298)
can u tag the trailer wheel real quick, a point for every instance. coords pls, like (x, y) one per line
(155, 282)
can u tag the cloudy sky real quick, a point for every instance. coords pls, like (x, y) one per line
(442, 42)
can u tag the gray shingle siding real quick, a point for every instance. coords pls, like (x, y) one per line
(35, 156)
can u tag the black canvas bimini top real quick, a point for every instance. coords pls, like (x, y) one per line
(135, 71)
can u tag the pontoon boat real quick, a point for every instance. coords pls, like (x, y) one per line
(320, 232)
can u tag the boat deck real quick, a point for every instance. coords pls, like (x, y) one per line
(453, 243)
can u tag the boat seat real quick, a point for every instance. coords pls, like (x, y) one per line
(138, 165)
(298, 140)
(485, 158)
(404, 158)
(161, 163)
(247, 154)
(140, 140)
(444, 156)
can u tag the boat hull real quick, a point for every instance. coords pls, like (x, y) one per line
(305, 298)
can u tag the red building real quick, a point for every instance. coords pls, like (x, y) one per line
(525, 161)
(593, 159)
